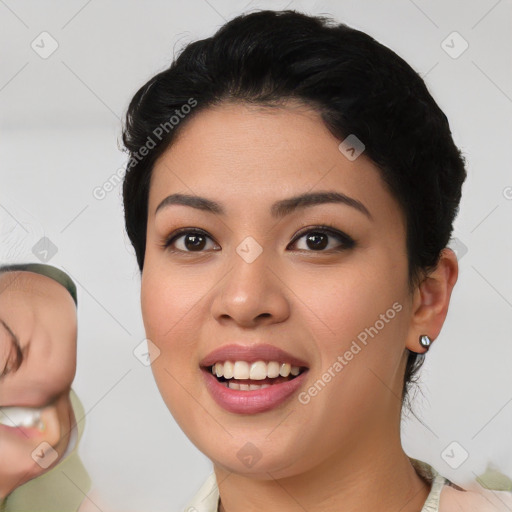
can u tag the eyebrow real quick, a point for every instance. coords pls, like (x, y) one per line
(278, 210)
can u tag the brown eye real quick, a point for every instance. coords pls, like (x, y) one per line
(317, 241)
(194, 242)
(322, 239)
(191, 241)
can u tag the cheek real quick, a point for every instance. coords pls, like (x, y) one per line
(343, 303)
(358, 317)
(173, 313)
(168, 300)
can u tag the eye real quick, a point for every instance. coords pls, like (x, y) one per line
(13, 354)
(322, 239)
(190, 240)
(316, 239)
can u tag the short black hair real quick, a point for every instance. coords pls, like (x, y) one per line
(358, 86)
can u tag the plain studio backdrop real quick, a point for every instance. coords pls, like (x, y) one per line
(61, 105)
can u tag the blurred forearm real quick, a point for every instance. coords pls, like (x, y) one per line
(48, 270)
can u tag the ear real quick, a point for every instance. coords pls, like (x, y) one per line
(431, 300)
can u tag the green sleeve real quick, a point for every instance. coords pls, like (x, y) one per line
(46, 270)
(495, 480)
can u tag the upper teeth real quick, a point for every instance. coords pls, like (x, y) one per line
(258, 370)
(20, 416)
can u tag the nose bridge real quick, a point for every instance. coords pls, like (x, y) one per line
(251, 292)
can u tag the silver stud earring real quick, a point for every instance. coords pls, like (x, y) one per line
(425, 341)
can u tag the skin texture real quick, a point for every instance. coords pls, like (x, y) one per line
(42, 314)
(344, 445)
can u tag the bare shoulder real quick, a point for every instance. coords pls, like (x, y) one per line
(454, 499)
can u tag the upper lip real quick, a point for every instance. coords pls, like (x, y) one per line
(31, 403)
(250, 353)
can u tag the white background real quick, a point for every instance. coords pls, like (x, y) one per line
(60, 121)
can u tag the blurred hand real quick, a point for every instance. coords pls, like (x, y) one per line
(38, 332)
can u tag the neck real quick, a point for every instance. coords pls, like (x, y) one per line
(375, 475)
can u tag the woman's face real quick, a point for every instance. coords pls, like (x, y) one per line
(252, 273)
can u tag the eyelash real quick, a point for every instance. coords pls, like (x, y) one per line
(18, 359)
(346, 242)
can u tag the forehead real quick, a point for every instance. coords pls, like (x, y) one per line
(241, 154)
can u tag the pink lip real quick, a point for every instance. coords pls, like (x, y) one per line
(23, 432)
(251, 402)
(262, 352)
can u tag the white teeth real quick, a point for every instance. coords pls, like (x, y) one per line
(229, 368)
(259, 370)
(20, 417)
(245, 387)
(285, 370)
(241, 370)
(273, 369)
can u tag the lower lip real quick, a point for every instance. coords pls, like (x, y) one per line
(23, 432)
(254, 401)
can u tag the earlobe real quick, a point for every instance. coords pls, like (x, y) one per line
(431, 301)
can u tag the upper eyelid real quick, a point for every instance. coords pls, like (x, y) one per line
(17, 347)
(334, 232)
(322, 229)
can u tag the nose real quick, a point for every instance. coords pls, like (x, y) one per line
(251, 294)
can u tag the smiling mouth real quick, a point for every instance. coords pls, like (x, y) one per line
(245, 376)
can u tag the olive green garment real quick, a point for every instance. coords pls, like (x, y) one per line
(63, 488)
(495, 480)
